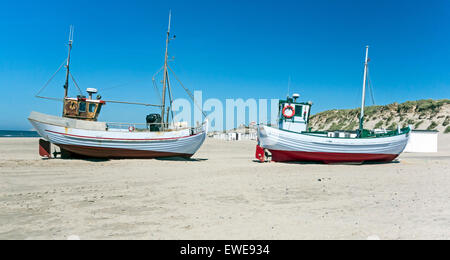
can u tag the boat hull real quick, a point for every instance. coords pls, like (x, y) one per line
(118, 144)
(117, 153)
(286, 156)
(288, 146)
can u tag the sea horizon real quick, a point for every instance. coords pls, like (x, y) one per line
(18, 133)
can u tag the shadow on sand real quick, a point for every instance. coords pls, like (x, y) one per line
(340, 163)
(181, 159)
(66, 155)
(91, 159)
(87, 159)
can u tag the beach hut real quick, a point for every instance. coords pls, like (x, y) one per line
(422, 141)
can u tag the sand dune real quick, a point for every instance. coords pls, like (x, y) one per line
(221, 194)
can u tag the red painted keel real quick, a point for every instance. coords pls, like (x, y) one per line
(117, 153)
(286, 156)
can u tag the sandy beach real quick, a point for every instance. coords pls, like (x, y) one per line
(221, 194)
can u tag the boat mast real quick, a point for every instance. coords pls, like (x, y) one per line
(361, 119)
(163, 108)
(66, 85)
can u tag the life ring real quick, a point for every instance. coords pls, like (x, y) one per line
(291, 108)
(131, 128)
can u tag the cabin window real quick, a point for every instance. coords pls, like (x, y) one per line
(92, 108)
(82, 107)
(298, 110)
(99, 108)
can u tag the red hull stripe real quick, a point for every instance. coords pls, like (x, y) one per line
(121, 139)
(284, 156)
(117, 153)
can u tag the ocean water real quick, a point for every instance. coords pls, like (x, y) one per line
(13, 133)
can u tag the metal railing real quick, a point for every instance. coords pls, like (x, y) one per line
(151, 127)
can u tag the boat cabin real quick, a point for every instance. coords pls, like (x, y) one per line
(294, 116)
(83, 108)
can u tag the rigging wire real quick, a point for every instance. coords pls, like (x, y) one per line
(121, 85)
(170, 96)
(51, 78)
(75, 83)
(114, 87)
(50, 98)
(155, 84)
(188, 92)
(370, 87)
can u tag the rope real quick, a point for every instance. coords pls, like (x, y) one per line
(370, 87)
(73, 79)
(188, 92)
(122, 85)
(155, 84)
(170, 95)
(51, 78)
(132, 103)
(49, 98)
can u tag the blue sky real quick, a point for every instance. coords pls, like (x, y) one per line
(227, 49)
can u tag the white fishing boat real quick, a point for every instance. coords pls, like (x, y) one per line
(292, 140)
(78, 133)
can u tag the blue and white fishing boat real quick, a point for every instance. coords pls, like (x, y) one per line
(77, 132)
(292, 140)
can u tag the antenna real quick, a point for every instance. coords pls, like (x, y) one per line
(170, 18)
(66, 85)
(289, 86)
(71, 34)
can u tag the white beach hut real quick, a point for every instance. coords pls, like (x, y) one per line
(422, 141)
